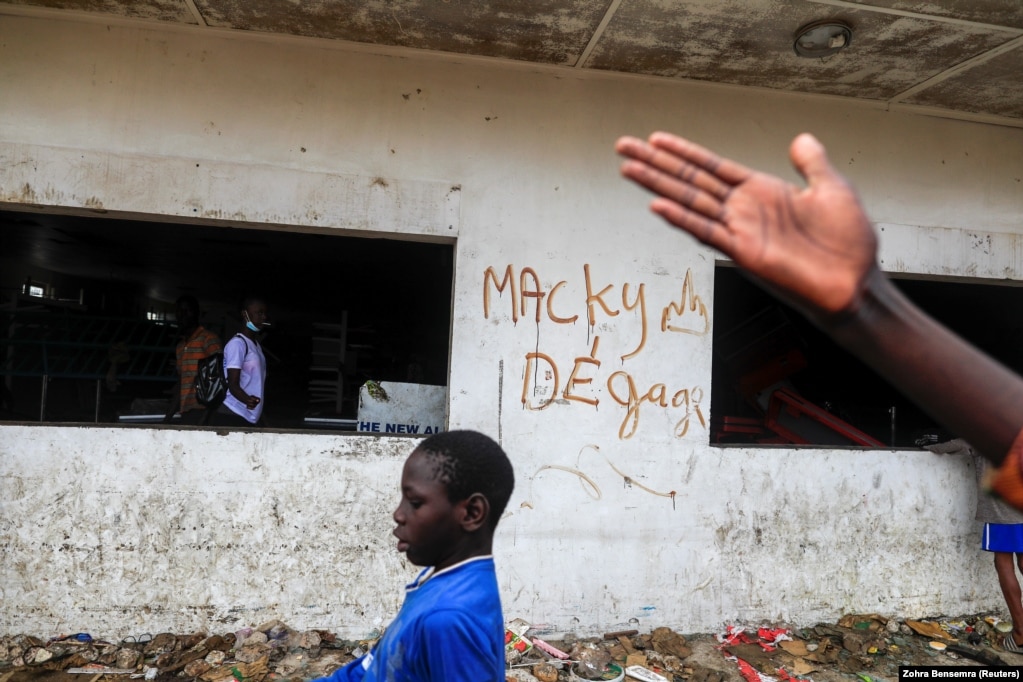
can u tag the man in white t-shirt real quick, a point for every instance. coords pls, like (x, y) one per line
(245, 367)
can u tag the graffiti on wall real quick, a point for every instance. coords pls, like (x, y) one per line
(589, 485)
(575, 380)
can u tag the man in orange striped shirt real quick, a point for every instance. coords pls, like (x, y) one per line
(196, 343)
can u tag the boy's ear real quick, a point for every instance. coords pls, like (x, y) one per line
(477, 511)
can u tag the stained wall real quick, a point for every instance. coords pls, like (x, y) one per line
(580, 339)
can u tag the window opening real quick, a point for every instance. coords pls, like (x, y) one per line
(778, 380)
(95, 343)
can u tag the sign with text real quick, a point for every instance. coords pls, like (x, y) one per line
(392, 407)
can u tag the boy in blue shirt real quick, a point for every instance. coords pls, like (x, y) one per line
(454, 488)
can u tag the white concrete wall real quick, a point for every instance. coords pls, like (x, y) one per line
(111, 530)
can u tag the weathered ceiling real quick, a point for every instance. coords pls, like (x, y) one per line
(958, 58)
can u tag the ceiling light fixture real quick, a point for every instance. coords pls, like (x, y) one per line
(822, 38)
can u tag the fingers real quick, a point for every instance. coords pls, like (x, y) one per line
(686, 192)
(727, 172)
(678, 191)
(684, 176)
(692, 197)
(811, 160)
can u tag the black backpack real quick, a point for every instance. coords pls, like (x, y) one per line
(210, 382)
(211, 379)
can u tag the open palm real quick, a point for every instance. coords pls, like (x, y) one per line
(814, 246)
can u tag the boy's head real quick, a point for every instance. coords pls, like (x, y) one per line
(253, 313)
(455, 487)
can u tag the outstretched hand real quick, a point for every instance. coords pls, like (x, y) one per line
(813, 246)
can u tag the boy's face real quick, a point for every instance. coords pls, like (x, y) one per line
(429, 525)
(256, 314)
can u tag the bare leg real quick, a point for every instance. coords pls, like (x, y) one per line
(1005, 566)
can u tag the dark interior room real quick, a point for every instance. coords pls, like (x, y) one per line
(88, 302)
(762, 345)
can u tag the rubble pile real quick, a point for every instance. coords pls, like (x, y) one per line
(270, 651)
(867, 648)
(661, 652)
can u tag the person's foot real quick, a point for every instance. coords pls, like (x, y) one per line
(1013, 642)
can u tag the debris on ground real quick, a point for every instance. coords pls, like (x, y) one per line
(270, 651)
(858, 648)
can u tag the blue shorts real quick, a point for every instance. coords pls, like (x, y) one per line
(1002, 537)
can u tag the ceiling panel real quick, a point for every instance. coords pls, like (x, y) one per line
(960, 58)
(161, 10)
(981, 89)
(749, 42)
(550, 32)
(998, 12)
